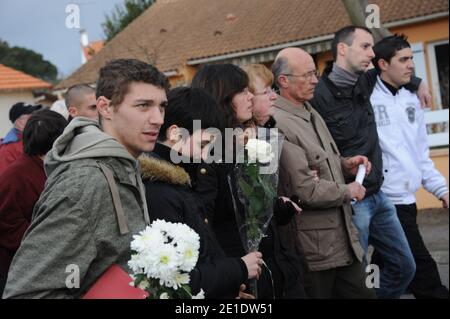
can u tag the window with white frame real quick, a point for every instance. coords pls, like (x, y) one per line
(437, 121)
(439, 69)
(419, 60)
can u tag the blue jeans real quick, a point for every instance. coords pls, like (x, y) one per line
(378, 225)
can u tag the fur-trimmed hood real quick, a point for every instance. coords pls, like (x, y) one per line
(155, 169)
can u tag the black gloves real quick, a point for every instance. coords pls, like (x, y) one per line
(284, 211)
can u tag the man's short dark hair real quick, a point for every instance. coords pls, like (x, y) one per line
(387, 48)
(345, 35)
(76, 90)
(41, 130)
(116, 76)
(188, 104)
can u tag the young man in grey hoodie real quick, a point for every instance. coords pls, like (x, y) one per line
(94, 200)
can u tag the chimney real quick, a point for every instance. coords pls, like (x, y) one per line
(84, 44)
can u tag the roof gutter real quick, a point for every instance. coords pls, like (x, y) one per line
(24, 89)
(309, 41)
(260, 50)
(416, 20)
(62, 90)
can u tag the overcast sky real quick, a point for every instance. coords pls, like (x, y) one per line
(40, 25)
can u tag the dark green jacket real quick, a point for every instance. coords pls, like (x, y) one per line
(75, 222)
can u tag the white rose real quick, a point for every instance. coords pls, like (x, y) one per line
(259, 151)
(252, 149)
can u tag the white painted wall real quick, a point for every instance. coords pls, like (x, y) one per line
(6, 101)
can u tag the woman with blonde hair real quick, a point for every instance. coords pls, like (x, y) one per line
(260, 85)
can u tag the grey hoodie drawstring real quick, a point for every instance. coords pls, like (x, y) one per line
(123, 228)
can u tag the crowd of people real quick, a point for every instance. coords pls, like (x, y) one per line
(75, 189)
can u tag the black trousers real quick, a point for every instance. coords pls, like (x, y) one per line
(426, 282)
(348, 282)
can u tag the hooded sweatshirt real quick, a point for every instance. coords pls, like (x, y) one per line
(79, 229)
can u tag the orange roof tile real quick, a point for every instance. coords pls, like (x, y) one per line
(93, 48)
(13, 80)
(170, 33)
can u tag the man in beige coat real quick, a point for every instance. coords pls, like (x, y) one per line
(324, 229)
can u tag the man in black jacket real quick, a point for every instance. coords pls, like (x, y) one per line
(342, 97)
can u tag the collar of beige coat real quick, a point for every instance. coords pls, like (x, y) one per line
(301, 110)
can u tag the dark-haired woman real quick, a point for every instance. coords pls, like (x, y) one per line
(280, 278)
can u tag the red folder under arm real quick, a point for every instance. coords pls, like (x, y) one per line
(115, 284)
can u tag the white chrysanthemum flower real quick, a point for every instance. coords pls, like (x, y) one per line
(159, 224)
(135, 264)
(168, 281)
(146, 261)
(166, 252)
(164, 295)
(188, 256)
(144, 284)
(200, 295)
(181, 279)
(163, 263)
(133, 278)
(186, 235)
(147, 238)
(167, 256)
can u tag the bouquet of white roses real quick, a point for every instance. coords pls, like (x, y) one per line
(163, 255)
(254, 188)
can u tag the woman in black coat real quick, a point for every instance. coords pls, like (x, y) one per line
(282, 278)
(170, 197)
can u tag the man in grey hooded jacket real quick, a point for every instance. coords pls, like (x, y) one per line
(94, 200)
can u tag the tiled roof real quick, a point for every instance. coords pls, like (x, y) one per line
(13, 80)
(172, 32)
